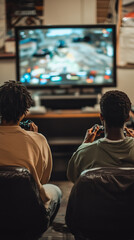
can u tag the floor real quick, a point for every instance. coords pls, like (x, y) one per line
(59, 230)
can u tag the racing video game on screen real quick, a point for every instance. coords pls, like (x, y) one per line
(78, 56)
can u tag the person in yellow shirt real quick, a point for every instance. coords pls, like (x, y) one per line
(29, 149)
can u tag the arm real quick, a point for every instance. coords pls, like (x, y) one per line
(91, 134)
(33, 127)
(129, 132)
(47, 159)
(79, 160)
(45, 156)
(73, 170)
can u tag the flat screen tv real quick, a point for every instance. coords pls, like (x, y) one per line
(77, 56)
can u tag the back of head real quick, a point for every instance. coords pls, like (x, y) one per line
(115, 107)
(14, 101)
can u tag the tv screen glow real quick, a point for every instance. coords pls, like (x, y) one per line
(64, 56)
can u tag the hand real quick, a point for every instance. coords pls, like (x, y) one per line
(91, 135)
(33, 127)
(129, 132)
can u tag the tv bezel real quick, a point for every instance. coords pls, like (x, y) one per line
(67, 86)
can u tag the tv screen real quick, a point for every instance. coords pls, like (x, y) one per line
(66, 56)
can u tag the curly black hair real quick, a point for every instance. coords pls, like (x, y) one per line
(115, 107)
(14, 101)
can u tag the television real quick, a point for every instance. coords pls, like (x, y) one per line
(73, 56)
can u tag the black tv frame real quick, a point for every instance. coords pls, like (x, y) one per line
(97, 87)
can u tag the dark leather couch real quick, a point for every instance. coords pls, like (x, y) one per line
(101, 204)
(22, 213)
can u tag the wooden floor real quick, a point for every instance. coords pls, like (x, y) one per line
(59, 230)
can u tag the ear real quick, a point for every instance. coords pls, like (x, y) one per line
(127, 119)
(21, 117)
(101, 117)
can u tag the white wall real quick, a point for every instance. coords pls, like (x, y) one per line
(7, 70)
(58, 12)
(125, 82)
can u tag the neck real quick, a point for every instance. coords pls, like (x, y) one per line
(114, 133)
(11, 123)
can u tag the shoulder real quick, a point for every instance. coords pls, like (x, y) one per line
(35, 137)
(129, 140)
(85, 147)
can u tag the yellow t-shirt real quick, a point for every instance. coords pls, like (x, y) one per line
(28, 149)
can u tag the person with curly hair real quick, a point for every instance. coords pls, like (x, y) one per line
(29, 149)
(115, 148)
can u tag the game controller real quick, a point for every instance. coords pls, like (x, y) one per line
(25, 124)
(100, 132)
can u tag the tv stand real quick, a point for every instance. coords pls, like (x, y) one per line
(67, 91)
(68, 98)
